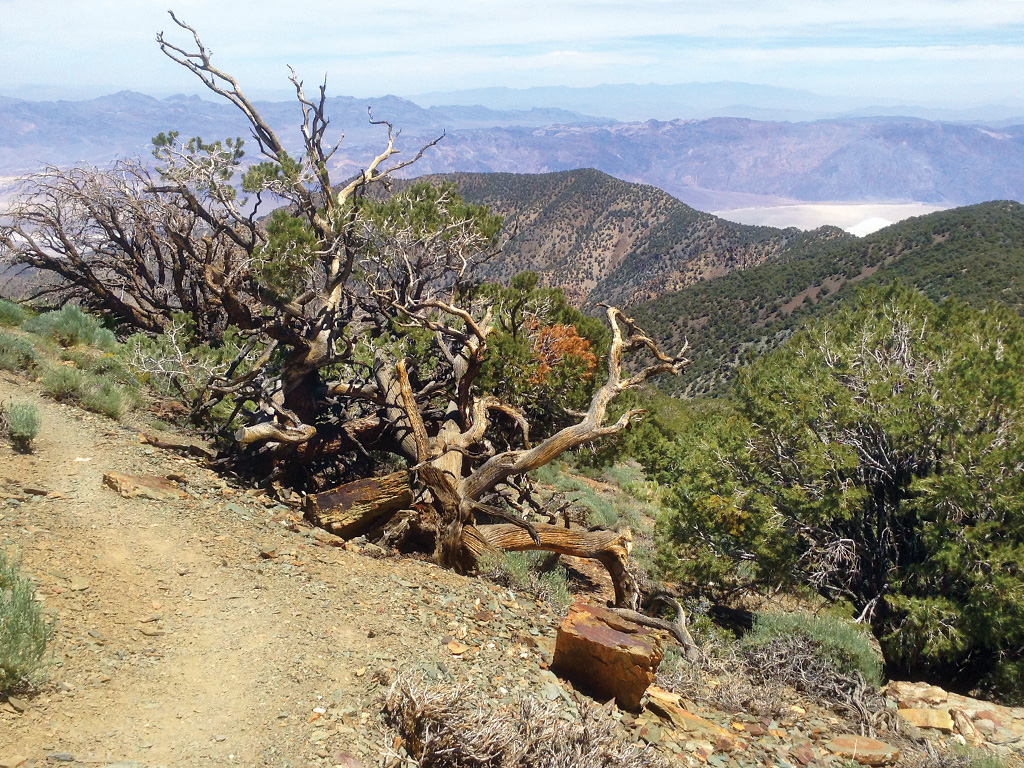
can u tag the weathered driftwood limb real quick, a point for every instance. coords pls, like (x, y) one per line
(167, 445)
(611, 548)
(270, 431)
(354, 508)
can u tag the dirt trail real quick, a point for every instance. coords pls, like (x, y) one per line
(177, 643)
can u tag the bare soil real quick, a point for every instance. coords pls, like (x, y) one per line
(213, 629)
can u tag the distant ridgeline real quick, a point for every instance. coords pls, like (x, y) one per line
(731, 289)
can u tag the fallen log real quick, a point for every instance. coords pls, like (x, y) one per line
(354, 508)
(610, 548)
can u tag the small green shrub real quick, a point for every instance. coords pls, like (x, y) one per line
(16, 353)
(101, 395)
(12, 314)
(840, 643)
(524, 571)
(24, 629)
(22, 424)
(63, 383)
(69, 326)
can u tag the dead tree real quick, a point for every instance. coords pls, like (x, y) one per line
(359, 333)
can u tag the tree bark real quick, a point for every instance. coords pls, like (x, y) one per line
(354, 508)
(611, 548)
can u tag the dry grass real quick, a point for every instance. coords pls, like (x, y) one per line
(449, 727)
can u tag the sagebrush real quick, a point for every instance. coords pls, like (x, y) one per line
(25, 630)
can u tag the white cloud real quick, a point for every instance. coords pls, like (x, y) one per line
(407, 45)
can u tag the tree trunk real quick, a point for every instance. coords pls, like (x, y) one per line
(611, 548)
(354, 508)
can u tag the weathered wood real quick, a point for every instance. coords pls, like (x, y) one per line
(354, 508)
(167, 445)
(611, 548)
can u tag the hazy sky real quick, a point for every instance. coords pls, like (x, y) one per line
(952, 52)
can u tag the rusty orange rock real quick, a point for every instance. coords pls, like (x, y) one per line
(143, 487)
(607, 655)
(939, 719)
(864, 750)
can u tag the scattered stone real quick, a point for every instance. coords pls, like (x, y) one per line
(966, 728)
(19, 705)
(863, 750)
(268, 553)
(667, 705)
(61, 757)
(937, 719)
(33, 490)
(152, 631)
(345, 760)
(985, 726)
(143, 487)
(614, 658)
(457, 648)
(12, 761)
(151, 618)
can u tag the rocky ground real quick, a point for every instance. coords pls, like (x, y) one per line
(214, 627)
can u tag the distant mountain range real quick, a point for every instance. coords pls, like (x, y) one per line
(636, 103)
(35, 133)
(711, 164)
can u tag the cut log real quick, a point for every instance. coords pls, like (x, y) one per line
(611, 548)
(354, 508)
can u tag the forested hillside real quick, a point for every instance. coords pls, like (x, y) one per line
(975, 253)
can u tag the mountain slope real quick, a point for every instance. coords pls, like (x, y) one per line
(975, 253)
(726, 162)
(607, 240)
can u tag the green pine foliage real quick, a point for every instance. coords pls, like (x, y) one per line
(869, 458)
(974, 253)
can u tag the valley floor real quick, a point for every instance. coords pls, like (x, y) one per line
(856, 218)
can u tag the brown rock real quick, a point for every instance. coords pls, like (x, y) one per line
(667, 706)
(143, 487)
(988, 714)
(604, 653)
(965, 727)
(938, 719)
(803, 753)
(863, 750)
(12, 761)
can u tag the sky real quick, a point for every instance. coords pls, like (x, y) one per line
(933, 52)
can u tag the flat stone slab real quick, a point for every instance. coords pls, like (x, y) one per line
(939, 719)
(863, 750)
(143, 487)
